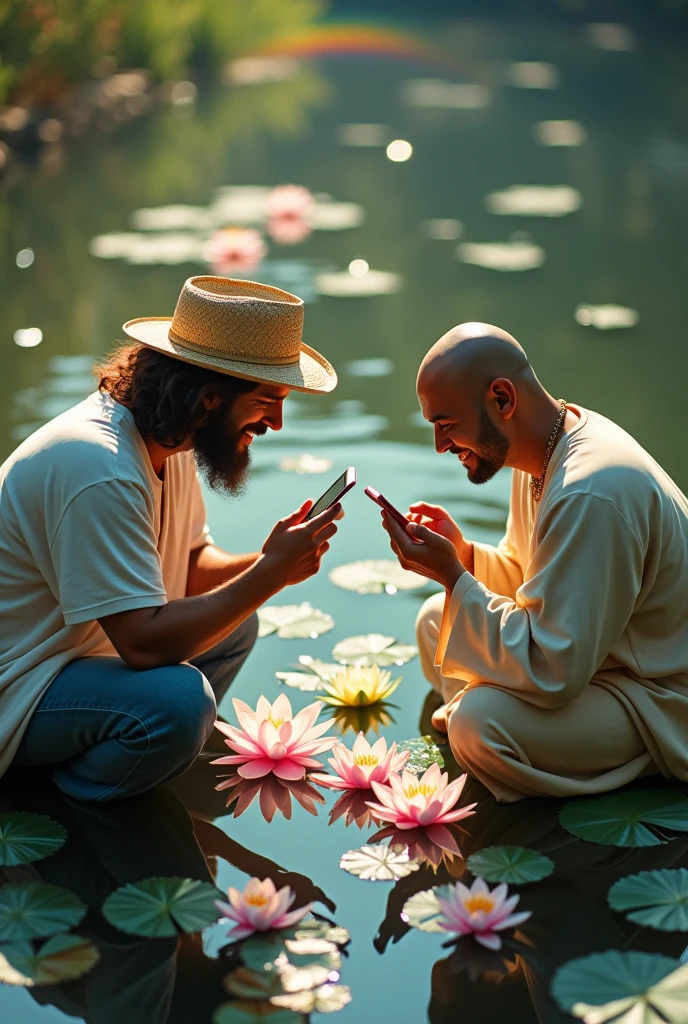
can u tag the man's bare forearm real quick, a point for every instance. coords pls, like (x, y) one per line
(210, 567)
(183, 629)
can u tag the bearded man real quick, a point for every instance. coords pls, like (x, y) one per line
(122, 623)
(562, 654)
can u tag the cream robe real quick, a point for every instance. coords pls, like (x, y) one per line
(589, 585)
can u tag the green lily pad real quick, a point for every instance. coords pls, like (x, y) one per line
(658, 899)
(261, 950)
(293, 621)
(378, 863)
(61, 958)
(250, 983)
(32, 910)
(312, 928)
(373, 649)
(422, 911)
(245, 1012)
(513, 864)
(627, 817)
(376, 576)
(325, 999)
(310, 674)
(161, 907)
(26, 837)
(423, 753)
(633, 988)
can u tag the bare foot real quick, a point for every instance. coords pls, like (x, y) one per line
(439, 719)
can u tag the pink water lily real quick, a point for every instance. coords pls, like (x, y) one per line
(364, 764)
(234, 250)
(289, 201)
(408, 801)
(273, 795)
(259, 908)
(432, 845)
(271, 740)
(478, 911)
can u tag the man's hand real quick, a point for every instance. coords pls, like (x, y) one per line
(429, 554)
(440, 522)
(294, 548)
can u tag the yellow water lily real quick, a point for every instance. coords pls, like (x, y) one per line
(359, 685)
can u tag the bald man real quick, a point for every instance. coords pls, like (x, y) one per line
(561, 654)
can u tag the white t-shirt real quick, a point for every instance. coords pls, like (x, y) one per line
(87, 529)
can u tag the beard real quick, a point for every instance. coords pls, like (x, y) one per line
(491, 449)
(220, 459)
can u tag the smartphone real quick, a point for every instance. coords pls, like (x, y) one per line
(332, 495)
(380, 500)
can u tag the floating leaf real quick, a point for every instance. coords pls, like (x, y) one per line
(513, 864)
(373, 576)
(423, 753)
(244, 1012)
(373, 649)
(326, 999)
(311, 929)
(261, 950)
(306, 978)
(31, 910)
(61, 958)
(658, 899)
(293, 621)
(628, 988)
(627, 817)
(160, 907)
(378, 863)
(26, 837)
(310, 675)
(422, 911)
(252, 983)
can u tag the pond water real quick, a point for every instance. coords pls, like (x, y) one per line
(481, 107)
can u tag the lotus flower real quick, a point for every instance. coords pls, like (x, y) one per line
(234, 249)
(288, 230)
(478, 911)
(360, 767)
(259, 908)
(408, 801)
(359, 685)
(293, 202)
(352, 807)
(270, 740)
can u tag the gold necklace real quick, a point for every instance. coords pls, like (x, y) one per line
(537, 483)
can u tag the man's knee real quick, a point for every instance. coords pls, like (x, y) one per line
(472, 724)
(189, 711)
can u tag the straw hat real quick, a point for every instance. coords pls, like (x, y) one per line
(243, 328)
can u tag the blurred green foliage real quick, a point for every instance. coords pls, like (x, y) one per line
(47, 46)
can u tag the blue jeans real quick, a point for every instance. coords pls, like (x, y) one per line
(110, 731)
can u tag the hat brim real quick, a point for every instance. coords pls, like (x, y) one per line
(311, 373)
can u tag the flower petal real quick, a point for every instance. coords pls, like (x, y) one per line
(257, 768)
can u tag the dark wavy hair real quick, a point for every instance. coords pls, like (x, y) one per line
(165, 395)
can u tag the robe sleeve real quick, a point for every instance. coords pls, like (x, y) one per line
(575, 603)
(498, 567)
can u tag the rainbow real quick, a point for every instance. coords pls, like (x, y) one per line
(327, 39)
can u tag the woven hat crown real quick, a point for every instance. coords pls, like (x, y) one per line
(239, 320)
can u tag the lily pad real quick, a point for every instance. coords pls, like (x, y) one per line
(252, 983)
(261, 950)
(311, 929)
(422, 911)
(378, 863)
(27, 837)
(627, 817)
(627, 988)
(658, 899)
(373, 649)
(161, 907)
(423, 753)
(375, 576)
(32, 910)
(61, 958)
(326, 999)
(310, 675)
(245, 1012)
(513, 864)
(293, 621)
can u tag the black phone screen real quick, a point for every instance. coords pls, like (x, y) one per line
(328, 497)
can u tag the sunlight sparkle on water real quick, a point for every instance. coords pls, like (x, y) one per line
(399, 151)
(25, 258)
(357, 268)
(28, 337)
